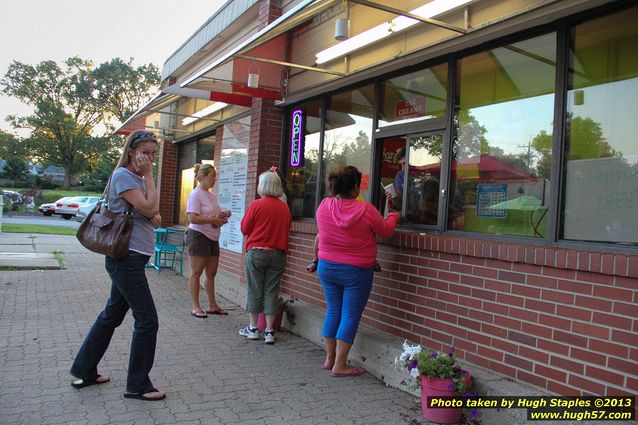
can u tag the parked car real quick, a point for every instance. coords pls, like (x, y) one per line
(83, 212)
(69, 208)
(47, 209)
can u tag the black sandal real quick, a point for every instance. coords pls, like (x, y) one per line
(141, 394)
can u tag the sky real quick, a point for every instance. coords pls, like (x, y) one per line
(149, 31)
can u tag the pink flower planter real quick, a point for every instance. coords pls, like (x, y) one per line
(439, 387)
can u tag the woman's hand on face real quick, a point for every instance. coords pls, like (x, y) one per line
(142, 164)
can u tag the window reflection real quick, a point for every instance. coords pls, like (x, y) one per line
(500, 158)
(347, 139)
(601, 161)
(414, 97)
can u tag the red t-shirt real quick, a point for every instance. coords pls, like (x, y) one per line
(266, 224)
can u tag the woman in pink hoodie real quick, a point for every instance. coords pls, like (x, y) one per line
(347, 253)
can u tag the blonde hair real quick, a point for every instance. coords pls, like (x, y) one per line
(269, 184)
(134, 139)
(202, 170)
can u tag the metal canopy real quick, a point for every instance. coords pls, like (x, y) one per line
(294, 17)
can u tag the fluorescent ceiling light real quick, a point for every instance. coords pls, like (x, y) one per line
(430, 10)
(217, 106)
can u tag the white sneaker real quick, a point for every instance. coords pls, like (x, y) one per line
(250, 333)
(269, 337)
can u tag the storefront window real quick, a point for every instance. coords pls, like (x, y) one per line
(601, 160)
(501, 148)
(348, 134)
(302, 166)
(414, 97)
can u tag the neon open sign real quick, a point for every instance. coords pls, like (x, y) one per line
(296, 138)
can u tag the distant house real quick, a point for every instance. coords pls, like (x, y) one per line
(54, 174)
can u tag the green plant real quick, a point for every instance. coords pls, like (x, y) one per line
(434, 365)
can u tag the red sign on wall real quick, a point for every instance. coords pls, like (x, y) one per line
(410, 108)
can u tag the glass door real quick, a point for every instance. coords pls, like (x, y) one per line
(411, 174)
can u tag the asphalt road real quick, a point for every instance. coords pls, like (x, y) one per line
(54, 220)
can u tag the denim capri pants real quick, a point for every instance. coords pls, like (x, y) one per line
(264, 269)
(347, 289)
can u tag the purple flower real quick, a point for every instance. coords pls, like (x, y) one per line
(451, 387)
(403, 382)
(413, 363)
(474, 414)
(451, 352)
(434, 355)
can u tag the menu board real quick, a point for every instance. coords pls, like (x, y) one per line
(233, 168)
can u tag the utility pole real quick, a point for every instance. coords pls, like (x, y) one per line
(529, 152)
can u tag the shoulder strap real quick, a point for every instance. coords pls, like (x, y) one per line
(105, 194)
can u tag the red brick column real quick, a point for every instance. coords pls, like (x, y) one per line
(166, 180)
(266, 121)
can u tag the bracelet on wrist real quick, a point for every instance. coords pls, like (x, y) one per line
(315, 261)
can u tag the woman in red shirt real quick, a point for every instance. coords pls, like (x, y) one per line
(266, 224)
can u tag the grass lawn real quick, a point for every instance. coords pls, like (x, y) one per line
(38, 228)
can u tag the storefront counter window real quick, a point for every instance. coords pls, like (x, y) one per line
(601, 161)
(500, 168)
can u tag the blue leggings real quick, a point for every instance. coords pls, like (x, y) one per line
(346, 289)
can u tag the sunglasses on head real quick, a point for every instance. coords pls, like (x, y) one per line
(142, 135)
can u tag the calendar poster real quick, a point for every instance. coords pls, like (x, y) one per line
(489, 195)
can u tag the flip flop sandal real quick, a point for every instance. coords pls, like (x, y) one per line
(141, 394)
(355, 371)
(199, 316)
(218, 312)
(81, 383)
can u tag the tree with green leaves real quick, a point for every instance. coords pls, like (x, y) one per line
(15, 168)
(12, 146)
(585, 141)
(124, 87)
(69, 103)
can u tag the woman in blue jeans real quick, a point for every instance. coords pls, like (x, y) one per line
(132, 183)
(347, 254)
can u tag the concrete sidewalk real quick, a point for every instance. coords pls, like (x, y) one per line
(211, 374)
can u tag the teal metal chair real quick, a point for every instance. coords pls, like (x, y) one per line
(166, 255)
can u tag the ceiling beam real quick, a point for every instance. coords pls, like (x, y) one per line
(292, 65)
(390, 9)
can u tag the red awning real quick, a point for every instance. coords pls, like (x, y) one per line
(485, 168)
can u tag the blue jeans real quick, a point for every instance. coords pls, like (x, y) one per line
(347, 289)
(264, 269)
(129, 289)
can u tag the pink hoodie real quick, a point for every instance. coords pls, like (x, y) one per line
(348, 229)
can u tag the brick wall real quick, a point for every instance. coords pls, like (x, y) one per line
(166, 180)
(562, 319)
